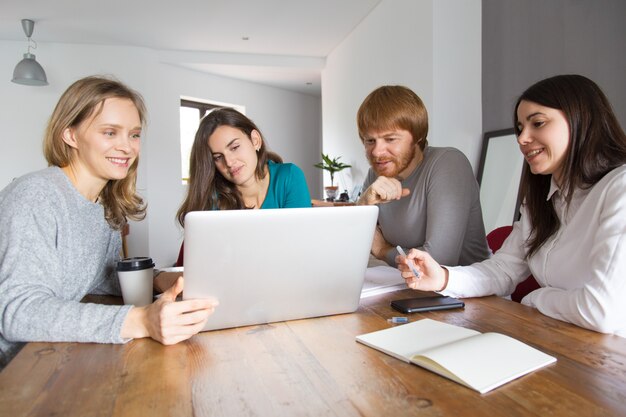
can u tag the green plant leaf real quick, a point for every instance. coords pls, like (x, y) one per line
(332, 165)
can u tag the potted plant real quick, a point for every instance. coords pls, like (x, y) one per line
(332, 165)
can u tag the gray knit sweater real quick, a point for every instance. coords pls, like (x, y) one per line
(55, 247)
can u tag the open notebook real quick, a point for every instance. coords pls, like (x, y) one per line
(480, 361)
(274, 265)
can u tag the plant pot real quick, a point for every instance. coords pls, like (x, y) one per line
(331, 193)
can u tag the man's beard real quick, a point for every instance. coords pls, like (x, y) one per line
(399, 163)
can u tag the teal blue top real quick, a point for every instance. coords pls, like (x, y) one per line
(287, 187)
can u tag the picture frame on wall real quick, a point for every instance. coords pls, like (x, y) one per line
(499, 176)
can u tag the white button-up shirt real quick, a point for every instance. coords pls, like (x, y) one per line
(581, 268)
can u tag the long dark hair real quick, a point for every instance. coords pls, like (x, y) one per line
(597, 146)
(208, 189)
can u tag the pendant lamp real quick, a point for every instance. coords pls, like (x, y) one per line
(28, 71)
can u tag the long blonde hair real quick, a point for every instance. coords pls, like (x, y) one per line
(78, 103)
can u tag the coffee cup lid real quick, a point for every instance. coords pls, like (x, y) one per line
(134, 264)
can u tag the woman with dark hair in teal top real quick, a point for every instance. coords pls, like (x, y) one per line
(230, 168)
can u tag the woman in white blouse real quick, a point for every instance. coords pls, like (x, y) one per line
(572, 232)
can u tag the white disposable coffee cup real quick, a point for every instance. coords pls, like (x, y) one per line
(136, 275)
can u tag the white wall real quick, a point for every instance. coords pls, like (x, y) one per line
(432, 47)
(456, 114)
(290, 122)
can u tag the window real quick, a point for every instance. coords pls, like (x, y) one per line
(191, 111)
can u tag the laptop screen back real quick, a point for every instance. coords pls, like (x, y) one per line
(274, 265)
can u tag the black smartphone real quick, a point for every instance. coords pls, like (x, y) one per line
(437, 302)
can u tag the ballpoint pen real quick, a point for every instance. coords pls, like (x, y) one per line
(413, 269)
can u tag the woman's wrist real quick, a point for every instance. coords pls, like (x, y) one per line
(445, 278)
(134, 326)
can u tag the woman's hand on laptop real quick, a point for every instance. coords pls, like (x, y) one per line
(433, 277)
(169, 321)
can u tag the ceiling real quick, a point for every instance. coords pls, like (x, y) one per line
(281, 43)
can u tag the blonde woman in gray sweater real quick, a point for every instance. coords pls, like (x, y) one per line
(59, 231)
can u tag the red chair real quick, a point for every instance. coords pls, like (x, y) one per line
(495, 239)
(181, 253)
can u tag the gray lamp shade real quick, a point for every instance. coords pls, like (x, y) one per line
(29, 72)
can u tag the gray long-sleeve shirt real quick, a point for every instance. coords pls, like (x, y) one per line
(441, 216)
(55, 247)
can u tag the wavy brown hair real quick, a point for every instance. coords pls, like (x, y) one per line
(394, 107)
(82, 100)
(208, 189)
(597, 146)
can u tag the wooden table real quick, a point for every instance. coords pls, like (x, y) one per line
(314, 367)
(324, 203)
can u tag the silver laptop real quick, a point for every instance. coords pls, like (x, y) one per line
(281, 264)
